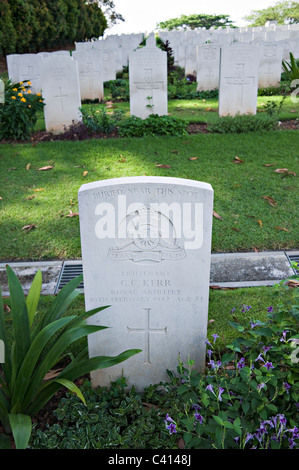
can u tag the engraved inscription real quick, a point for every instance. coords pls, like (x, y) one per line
(147, 332)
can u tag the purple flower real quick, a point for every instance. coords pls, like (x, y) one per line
(267, 348)
(221, 390)
(270, 309)
(253, 325)
(260, 386)
(241, 363)
(233, 309)
(210, 388)
(171, 428)
(284, 336)
(268, 365)
(209, 352)
(246, 308)
(215, 336)
(286, 386)
(198, 417)
(260, 358)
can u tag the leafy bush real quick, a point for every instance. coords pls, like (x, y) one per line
(249, 398)
(18, 114)
(99, 121)
(119, 89)
(291, 70)
(153, 125)
(111, 418)
(35, 348)
(243, 123)
(272, 91)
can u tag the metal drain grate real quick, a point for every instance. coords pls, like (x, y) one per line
(294, 259)
(68, 272)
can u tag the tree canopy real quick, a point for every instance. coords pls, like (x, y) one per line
(195, 21)
(283, 12)
(45, 24)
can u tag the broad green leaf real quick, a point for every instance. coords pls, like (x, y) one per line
(21, 427)
(218, 420)
(19, 316)
(33, 296)
(33, 356)
(72, 387)
(78, 370)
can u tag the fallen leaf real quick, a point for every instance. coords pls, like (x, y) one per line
(46, 168)
(282, 228)
(10, 169)
(6, 308)
(260, 222)
(235, 229)
(30, 197)
(72, 214)
(71, 202)
(217, 216)
(223, 288)
(193, 158)
(292, 283)
(256, 250)
(163, 166)
(281, 170)
(52, 374)
(210, 321)
(28, 166)
(38, 190)
(29, 227)
(84, 173)
(271, 164)
(238, 160)
(270, 200)
(0, 198)
(175, 151)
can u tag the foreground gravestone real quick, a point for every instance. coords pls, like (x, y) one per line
(146, 249)
(148, 80)
(61, 92)
(238, 79)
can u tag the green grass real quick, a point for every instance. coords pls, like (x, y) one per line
(249, 221)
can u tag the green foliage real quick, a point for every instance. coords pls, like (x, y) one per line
(119, 89)
(286, 12)
(112, 418)
(153, 125)
(291, 71)
(282, 89)
(195, 21)
(30, 26)
(36, 347)
(244, 123)
(18, 114)
(273, 108)
(99, 121)
(250, 397)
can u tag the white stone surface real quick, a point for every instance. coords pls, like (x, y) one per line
(25, 67)
(61, 92)
(208, 63)
(90, 74)
(270, 64)
(148, 80)
(146, 251)
(238, 79)
(2, 98)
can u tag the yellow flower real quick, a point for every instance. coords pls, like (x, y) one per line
(40, 101)
(23, 89)
(14, 89)
(28, 83)
(13, 98)
(21, 83)
(38, 94)
(23, 99)
(20, 94)
(28, 91)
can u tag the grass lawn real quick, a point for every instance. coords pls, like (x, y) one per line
(46, 198)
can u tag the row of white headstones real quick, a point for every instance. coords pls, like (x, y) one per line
(65, 80)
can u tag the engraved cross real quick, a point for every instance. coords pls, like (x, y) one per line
(147, 332)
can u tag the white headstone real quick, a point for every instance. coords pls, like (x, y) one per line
(148, 80)
(270, 65)
(208, 63)
(61, 92)
(25, 67)
(238, 79)
(146, 249)
(2, 97)
(90, 74)
(13, 67)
